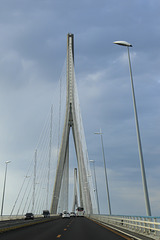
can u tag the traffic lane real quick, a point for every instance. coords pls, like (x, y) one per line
(19, 222)
(15, 221)
(73, 228)
(83, 228)
(42, 231)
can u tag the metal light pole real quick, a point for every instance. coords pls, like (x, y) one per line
(148, 209)
(49, 159)
(95, 184)
(34, 180)
(105, 170)
(4, 187)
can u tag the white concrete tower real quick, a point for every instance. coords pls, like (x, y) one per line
(71, 121)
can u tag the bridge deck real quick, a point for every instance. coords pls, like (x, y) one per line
(73, 228)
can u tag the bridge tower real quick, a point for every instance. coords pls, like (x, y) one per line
(71, 122)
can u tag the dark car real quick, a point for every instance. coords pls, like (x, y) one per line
(46, 213)
(29, 216)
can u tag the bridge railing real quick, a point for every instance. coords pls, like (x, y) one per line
(141, 224)
(14, 217)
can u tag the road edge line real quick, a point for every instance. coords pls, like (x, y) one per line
(115, 229)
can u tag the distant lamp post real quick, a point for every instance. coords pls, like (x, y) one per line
(4, 187)
(105, 170)
(95, 184)
(148, 209)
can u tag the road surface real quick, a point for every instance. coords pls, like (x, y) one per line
(78, 228)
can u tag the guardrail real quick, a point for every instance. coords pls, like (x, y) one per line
(14, 217)
(148, 226)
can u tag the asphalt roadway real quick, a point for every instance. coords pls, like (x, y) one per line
(78, 228)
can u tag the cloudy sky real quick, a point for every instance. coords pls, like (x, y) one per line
(33, 37)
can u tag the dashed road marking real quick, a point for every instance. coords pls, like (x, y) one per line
(58, 236)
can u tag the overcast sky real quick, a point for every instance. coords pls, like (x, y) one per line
(33, 36)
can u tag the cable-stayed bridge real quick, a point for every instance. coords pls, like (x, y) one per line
(46, 183)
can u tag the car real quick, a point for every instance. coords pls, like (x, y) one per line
(80, 212)
(46, 213)
(65, 214)
(72, 214)
(29, 216)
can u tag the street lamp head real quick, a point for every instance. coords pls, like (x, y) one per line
(98, 133)
(7, 162)
(123, 43)
(92, 161)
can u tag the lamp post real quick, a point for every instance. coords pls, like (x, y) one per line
(148, 209)
(105, 170)
(95, 184)
(34, 180)
(4, 187)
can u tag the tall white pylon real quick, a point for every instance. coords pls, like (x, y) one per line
(71, 121)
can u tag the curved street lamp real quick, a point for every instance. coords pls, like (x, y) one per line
(148, 209)
(105, 171)
(4, 187)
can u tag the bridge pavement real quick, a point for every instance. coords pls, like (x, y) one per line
(66, 229)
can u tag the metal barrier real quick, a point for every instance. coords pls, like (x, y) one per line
(16, 217)
(148, 226)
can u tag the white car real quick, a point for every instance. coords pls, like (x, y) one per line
(65, 214)
(72, 214)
